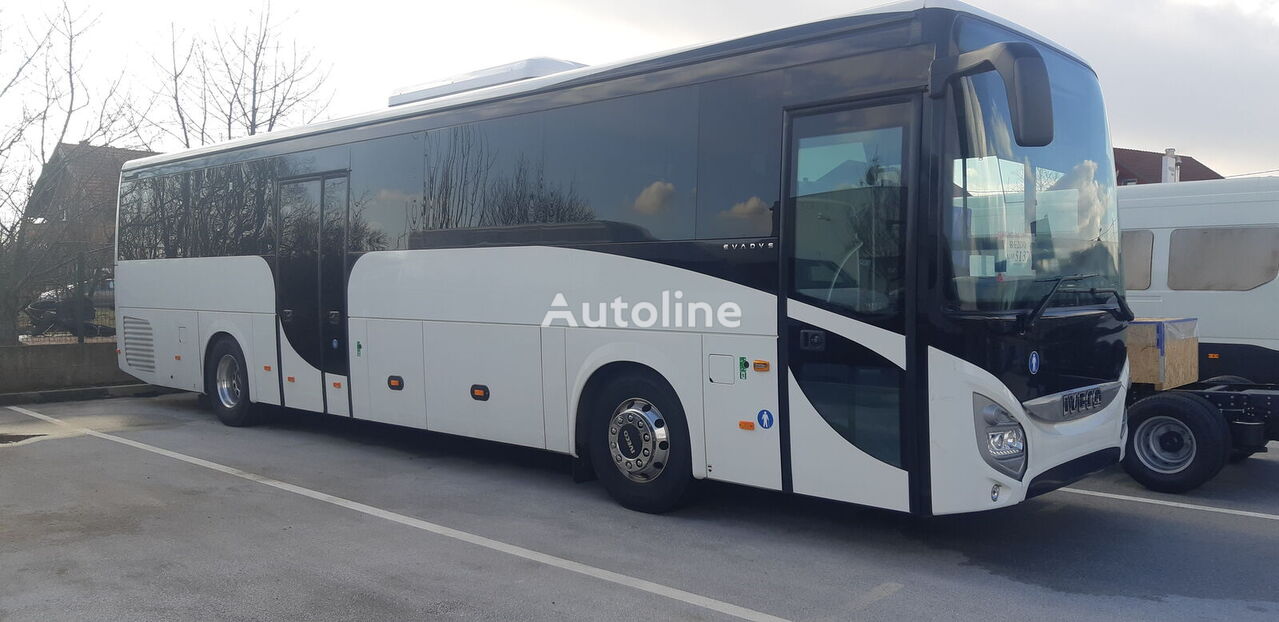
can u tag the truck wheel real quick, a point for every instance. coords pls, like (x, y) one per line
(226, 382)
(1177, 441)
(639, 443)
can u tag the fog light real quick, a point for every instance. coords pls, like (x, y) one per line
(994, 492)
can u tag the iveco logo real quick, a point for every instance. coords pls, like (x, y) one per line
(749, 246)
(1033, 363)
(1081, 401)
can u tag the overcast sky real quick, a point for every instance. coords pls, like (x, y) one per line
(1198, 75)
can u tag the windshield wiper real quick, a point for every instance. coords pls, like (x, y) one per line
(1028, 320)
(1124, 312)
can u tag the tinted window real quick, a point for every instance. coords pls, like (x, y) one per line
(1135, 249)
(740, 127)
(631, 160)
(299, 266)
(849, 209)
(387, 179)
(153, 218)
(225, 212)
(259, 234)
(130, 233)
(1223, 258)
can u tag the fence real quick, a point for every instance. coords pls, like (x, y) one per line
(74, 302)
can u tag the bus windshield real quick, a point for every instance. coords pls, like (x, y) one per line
(1022, 216)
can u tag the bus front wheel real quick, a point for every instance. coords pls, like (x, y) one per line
(639, 443)
(1177, 441)
(226, 384)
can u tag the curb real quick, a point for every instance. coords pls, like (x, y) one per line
(84, 393)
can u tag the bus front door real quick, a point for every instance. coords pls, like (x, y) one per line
(844, 326)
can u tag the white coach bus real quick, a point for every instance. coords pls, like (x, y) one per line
(871, 259)
(1209, 250)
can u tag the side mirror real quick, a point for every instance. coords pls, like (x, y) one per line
(1025, 76)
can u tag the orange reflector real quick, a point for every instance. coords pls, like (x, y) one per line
(1214, 355)
(291, 379)
(177, 357)
(479, 392)
(266, 368)
(746, 425)
(761, 365)
(395, 383)
(337, 385)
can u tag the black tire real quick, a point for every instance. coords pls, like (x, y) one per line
(1201, 456)
(668, 488)
(232, 406)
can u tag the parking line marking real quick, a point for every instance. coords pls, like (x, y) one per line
(448, 532)
(1172, 504)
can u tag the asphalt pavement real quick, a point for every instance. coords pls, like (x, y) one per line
(149, 509)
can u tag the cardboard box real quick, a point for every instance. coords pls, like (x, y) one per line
(1163, 351)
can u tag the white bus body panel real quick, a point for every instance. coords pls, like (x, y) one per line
(303, 383)
(961, 479)
(507, 359)
(1241, 317)
(387, 349)
(739, 448)
(487, 291)
(233, 295)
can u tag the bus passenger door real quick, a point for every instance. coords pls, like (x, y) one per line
(333, 327)
(311, 293)
(843, 331)
(298, 294)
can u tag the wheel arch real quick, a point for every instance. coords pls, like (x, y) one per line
(207, 359)
(590, 391)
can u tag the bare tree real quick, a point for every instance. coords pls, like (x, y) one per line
(45, 100)
(235, 82)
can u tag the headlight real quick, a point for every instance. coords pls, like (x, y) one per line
(1001, 440)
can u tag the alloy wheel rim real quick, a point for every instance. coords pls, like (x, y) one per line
(639, 440)
(228, 381)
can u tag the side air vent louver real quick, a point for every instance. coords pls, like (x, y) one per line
(139, 344)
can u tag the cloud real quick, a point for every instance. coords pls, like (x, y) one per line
(655, 198)
(751, 208)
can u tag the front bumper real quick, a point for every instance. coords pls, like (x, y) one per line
(1057, 453)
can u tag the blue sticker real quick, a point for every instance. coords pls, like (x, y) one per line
(765, 419)
(1033, 363)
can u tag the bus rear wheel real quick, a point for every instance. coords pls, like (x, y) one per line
(639, 443)
(226, 383)
(1177, 441)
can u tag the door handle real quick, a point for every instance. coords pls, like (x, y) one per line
(286, 315)
(335, 317)
(812, 340)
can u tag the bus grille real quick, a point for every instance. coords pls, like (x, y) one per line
(139, 344)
